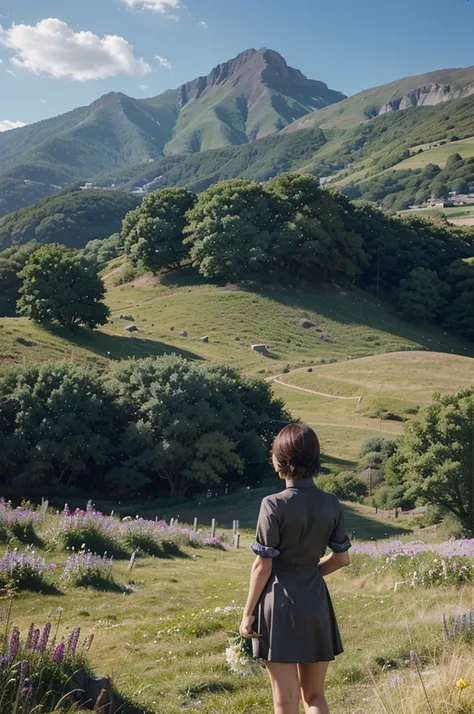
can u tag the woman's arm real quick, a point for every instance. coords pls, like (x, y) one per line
(333, 562)
(259, 575)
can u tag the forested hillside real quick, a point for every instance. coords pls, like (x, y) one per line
(365, 150)
(71, 217)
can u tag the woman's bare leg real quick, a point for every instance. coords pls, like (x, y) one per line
(312, 678)
(285, 687)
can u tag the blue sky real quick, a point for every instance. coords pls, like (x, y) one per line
(60, 54)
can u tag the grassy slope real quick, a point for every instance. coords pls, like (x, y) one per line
(355, 322)
(350, 112)
(356, 392)
(439, 155)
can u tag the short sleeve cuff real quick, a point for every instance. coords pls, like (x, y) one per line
(340, 547)
(264, 551)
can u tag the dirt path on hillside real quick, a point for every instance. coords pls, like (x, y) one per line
(277, 380)
(467, 221)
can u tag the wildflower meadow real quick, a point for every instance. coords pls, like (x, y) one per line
(156, 607)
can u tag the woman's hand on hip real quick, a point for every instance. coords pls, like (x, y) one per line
(246, 626)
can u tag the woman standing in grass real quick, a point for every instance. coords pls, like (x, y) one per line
(289, 612)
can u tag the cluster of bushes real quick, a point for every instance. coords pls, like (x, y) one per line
(289, 228)
(146, 428)
(244, 231)
(431, 463)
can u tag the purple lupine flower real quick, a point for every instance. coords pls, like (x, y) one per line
(58, 654)
(27, 690)
(24, 670)
(5, 660)
(29, 637)
(43, 643)
(73, 640)
(14, 645)
(35, 638)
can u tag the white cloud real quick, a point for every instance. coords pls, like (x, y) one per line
(168, 8)
(9, 71)
(6, 124)
(163, 62)
(43, 101)
(52, 47)
(144, 87)
(203, 24)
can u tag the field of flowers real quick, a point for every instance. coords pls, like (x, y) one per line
(416, 563)
(161, 603)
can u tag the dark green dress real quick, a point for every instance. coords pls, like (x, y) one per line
(294, 614)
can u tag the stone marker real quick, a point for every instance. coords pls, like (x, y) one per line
(130, 328)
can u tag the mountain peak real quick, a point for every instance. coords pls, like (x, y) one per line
(255, 70)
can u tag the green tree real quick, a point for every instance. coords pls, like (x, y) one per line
(460, 186)
(10, 284)
(453, 161)
(232, 231)
(12, 261)
(59, 427)
(421, 296)
(439, 190)
(194, 425)
(153, 232)
(314, 236)
(61, 285)
(435, 458)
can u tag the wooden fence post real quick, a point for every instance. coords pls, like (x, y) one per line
(195, 526)
(237, 541)
(213, 528)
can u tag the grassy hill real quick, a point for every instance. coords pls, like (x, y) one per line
(346, 326)
(439, 86)
(71, 216)
(352, 324)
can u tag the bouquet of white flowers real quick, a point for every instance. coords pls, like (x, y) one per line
(239, 656)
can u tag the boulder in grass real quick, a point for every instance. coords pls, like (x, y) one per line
(130, 328)
(205, 339)
(183, 333)
(260, 348)
(306, 323)
(128, 318)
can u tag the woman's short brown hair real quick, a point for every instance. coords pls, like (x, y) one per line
(297, 450)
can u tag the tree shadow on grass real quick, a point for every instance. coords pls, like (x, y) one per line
(367, 528)
(103, 584)
(196, 691)
(187, 276)
(172, 550)
(116, 347)
(360, 308)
